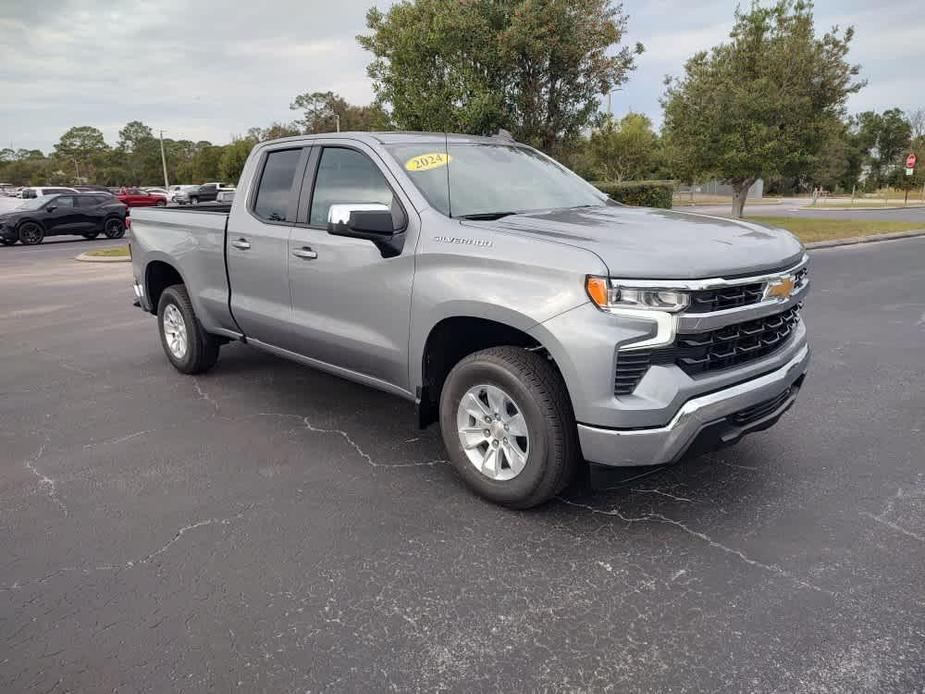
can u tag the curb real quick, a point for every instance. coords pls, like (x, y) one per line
(855, 240)
(810, 208)
(83, 257)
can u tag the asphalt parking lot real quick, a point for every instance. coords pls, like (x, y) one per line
(266, 527)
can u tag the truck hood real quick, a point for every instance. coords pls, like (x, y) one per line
(638, 242)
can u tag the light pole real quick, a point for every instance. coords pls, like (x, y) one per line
(164, 162)
(77, 166)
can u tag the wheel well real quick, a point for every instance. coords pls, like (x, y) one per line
(451, 340)
(158, 276)
(24, 222)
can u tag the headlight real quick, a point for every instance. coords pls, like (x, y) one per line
(607, 296)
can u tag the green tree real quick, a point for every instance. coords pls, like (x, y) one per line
(763, 104)
(533, 67)
(81, 147)
(142, 154)
(233, 158)
(884, 140)
(273, 132)
(324, 111)
(204, 164)
(624, 149)
(134, 136)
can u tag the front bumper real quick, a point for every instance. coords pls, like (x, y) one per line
(703, 422)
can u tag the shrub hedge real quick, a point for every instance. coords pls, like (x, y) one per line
(639, 193)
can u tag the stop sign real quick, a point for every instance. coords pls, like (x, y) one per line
(910, 161)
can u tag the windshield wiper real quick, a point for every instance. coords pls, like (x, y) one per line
(485, 216)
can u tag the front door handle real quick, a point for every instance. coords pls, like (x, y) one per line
(241, 244)
(305, 252)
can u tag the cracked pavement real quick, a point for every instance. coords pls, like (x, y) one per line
(265, 527)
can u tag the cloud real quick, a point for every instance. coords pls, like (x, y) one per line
(208, 70)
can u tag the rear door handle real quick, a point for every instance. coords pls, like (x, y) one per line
(305, 252)
(241, 244)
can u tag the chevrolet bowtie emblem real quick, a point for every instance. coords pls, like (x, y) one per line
(781, 288)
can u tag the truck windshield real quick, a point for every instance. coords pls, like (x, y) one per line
(488, 181)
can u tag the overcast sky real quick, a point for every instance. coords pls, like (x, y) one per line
(209, 70)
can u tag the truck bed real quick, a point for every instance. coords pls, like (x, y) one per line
(192, 240)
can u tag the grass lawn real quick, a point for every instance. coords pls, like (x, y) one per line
(809, 229)
(118, 252)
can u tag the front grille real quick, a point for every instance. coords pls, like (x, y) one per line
(709, 300)
(762, 409)
(732, 345)
(722, 298)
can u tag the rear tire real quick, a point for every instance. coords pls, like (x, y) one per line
(31, 234)
(193, 201)
(535, 397)
(188, 347)
(114, 228)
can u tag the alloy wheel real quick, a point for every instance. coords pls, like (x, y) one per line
(493, 432)
(175, 331)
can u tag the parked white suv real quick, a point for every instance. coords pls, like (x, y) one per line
(39, 191)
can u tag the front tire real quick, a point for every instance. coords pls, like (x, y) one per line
(188, 347)
(508, 426)
(194, 201)
(161, 203)
(31, 234)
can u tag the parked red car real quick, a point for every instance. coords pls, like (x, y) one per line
(138, 198)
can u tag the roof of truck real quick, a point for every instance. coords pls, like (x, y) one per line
(392, 137)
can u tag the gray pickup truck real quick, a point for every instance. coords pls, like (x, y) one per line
(539, 322)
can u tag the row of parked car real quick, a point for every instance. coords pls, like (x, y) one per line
(87, 210)
(132, 196)
(63, 211)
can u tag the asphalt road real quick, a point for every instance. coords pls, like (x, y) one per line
(797, 208)
(269, 528)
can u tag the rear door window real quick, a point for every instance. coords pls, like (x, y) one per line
(274, 201)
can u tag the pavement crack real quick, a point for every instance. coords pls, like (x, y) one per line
(894, 526)
(203, 395)
(63, 363)
(45, 482)
(121, 439)
(353, 444)
(132, 563)
(666, 494)
(888, 508)
(659, 518)
(185, 529)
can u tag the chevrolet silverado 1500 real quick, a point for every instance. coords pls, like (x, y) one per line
(539, 322)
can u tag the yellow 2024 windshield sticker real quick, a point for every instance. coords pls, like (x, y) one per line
(427, 161)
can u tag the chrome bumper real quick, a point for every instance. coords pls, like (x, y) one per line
(667, 444)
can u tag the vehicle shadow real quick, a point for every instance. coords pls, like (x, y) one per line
(732, 478)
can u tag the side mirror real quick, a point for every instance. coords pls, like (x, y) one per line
(51, 208)
(370, 222)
